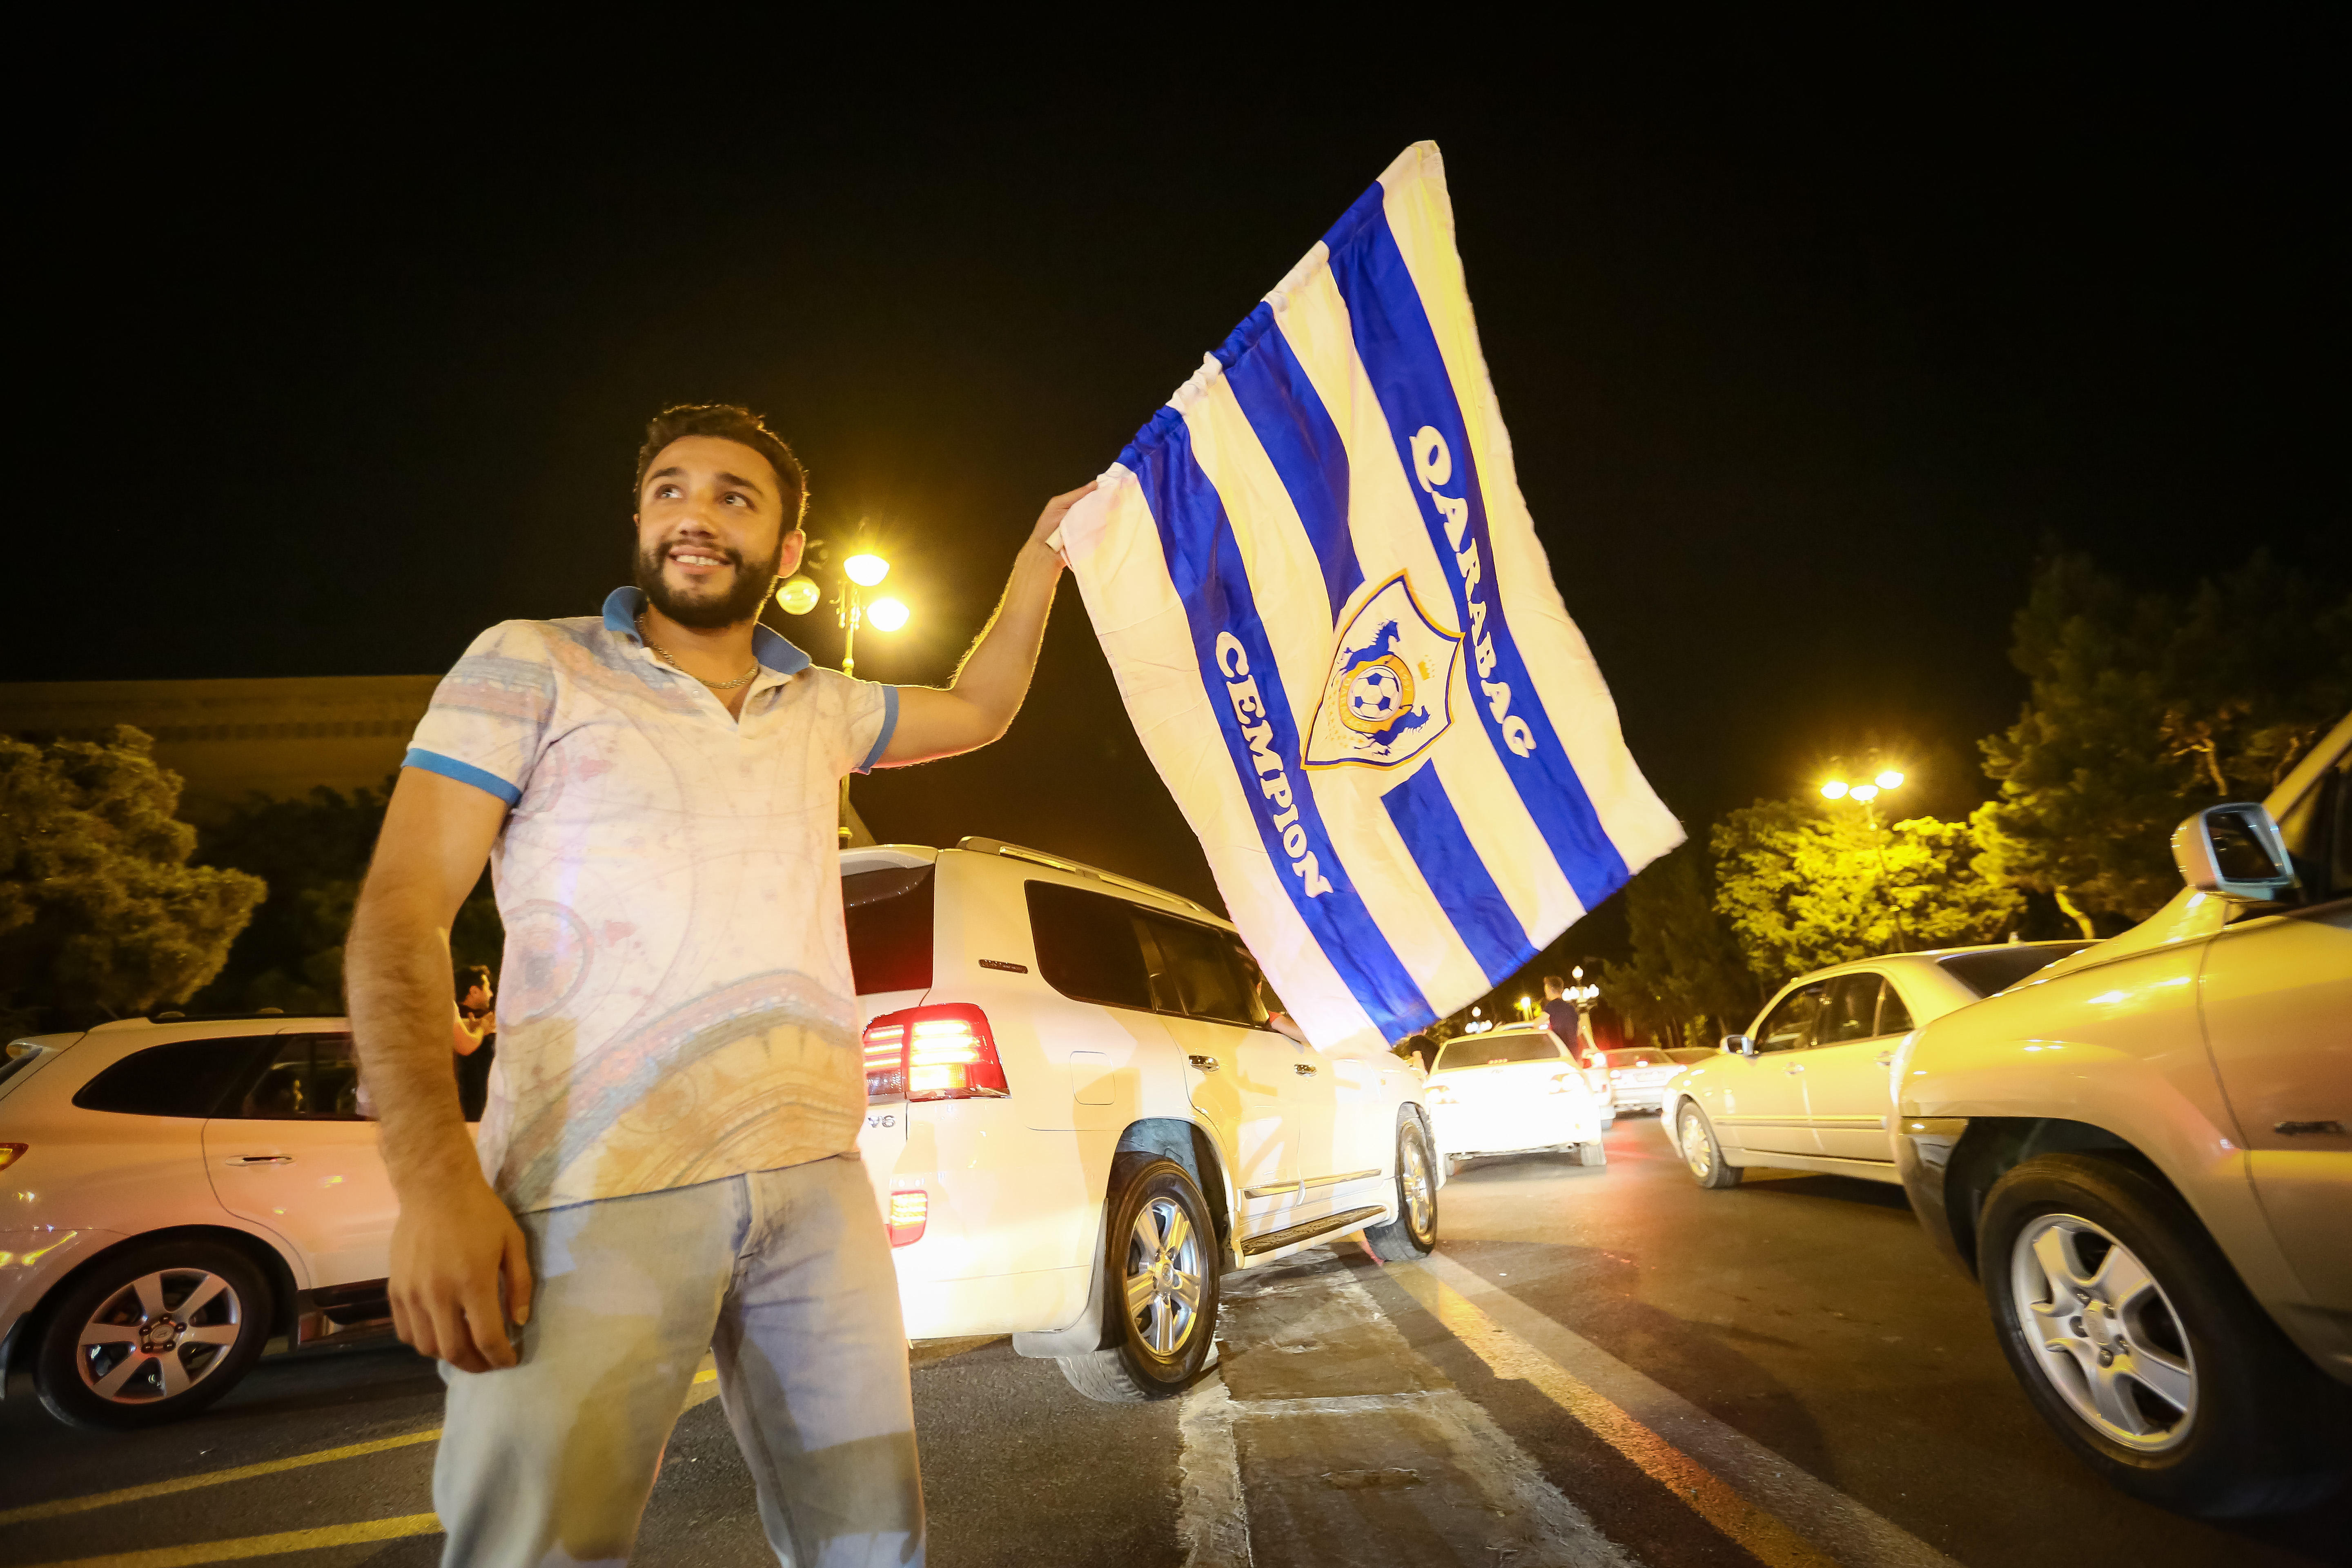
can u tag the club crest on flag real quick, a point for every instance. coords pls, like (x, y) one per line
(1390, 691)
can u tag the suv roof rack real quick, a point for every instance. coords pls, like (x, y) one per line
(978, 846)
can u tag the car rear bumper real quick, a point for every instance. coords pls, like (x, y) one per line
(1482, 1130)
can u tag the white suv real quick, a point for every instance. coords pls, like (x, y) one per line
(1079, 1118)
(177, 1192)
(1080, 1113)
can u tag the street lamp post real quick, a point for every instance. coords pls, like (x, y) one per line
(1868, 793)
(799, 594)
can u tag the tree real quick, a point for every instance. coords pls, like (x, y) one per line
(1686, 974)
(1809, 882)
(314, 852)
(100, 914)
(2143, 708)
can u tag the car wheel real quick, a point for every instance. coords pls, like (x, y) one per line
(2137, 1342)
(1592, 1153)
(1160, 1291)
(1413, 1233)
(1701, 1154)
(152, 1334)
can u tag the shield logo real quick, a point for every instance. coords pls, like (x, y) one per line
(1390, 691)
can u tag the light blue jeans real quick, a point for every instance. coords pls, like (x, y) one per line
(786, 1276)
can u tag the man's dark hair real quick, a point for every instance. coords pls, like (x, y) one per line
(470, 975)
(1555, 982)
(729, 422)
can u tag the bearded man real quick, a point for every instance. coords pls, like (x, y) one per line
(668, 1160)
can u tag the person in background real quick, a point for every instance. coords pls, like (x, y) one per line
(1560, 1013)
(475, 1038)
(1418, 1050)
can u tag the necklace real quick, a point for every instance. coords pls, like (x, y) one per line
(664, 655)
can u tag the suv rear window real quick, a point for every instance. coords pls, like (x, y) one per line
(1999, 968)
(187, 1077)
(1485, 1050)
(1087, 947)
(888, 913)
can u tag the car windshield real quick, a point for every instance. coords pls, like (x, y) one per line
(1485, 1050)
(1999, 968)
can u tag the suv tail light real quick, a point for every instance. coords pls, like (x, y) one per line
(934, 1053)
(1566, 1083)
(910, 1210)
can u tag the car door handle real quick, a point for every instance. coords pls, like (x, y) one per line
(1799, 1067)
(1206, 1064)
(2297, 1129)
(1303, 1070)
(259, 1160)
(1883, 1057)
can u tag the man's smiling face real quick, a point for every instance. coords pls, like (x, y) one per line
(712, 535)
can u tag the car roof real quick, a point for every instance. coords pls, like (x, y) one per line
(879, 856)
(1930, 956)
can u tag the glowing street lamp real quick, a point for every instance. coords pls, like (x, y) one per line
(1887, 779)
(866, 571)
(886, 615)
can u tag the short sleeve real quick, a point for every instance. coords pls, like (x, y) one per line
(873, 719)
(490, 715)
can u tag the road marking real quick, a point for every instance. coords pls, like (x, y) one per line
(210, 1479)
(63, 1506)
(1211, 1520)
(265, 1545)
(1525, 1517)
(1763, 1504)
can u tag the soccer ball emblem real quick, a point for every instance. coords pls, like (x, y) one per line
(1379, 693)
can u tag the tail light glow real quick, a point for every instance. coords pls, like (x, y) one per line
(1439, 1094)
(934, 1053)
(910, 1211)
(1566, 1083)
(10, 1152)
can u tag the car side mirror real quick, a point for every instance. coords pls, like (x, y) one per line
(1739, 1045)
(2234, 851)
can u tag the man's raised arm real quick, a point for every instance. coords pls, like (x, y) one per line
(979, 704)
(454, 1235)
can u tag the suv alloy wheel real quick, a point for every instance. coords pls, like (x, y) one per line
(151, 1334)
(1159, 1287)
(2137, 1342)
(1413, 1233)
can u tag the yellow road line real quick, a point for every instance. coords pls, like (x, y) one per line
(62, 1506)
(265, 1545)
(210, 1479)
(1760, 1533)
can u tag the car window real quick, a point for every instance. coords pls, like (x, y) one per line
(1485, 1050)
(2339, 854)
(1789, 1027)
(187, 1077)
(1992, 969)
(1089, 946)
(888, 915)
(1893, 1017)
(1200, 971)
(1687, 1054)
(1852, 1011)
(310, 1078)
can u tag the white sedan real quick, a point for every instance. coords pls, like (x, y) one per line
(1810, 1088)
(1512, 1091)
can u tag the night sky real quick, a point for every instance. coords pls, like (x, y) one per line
(1807, 345)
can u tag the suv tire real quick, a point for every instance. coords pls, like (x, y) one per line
(152, 1333)
(1413, 1233)
(1160, 1236)
(2233, 1420)
(1700, 1150)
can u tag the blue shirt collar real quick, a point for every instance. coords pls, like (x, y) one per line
(622, 607)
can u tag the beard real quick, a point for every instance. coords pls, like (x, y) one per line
(712, 609)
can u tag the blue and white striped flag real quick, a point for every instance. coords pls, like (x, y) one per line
(1337, 635)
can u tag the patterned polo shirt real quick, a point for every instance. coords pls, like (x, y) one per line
(676, 1005)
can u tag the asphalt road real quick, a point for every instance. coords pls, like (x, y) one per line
(1601, 1366)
